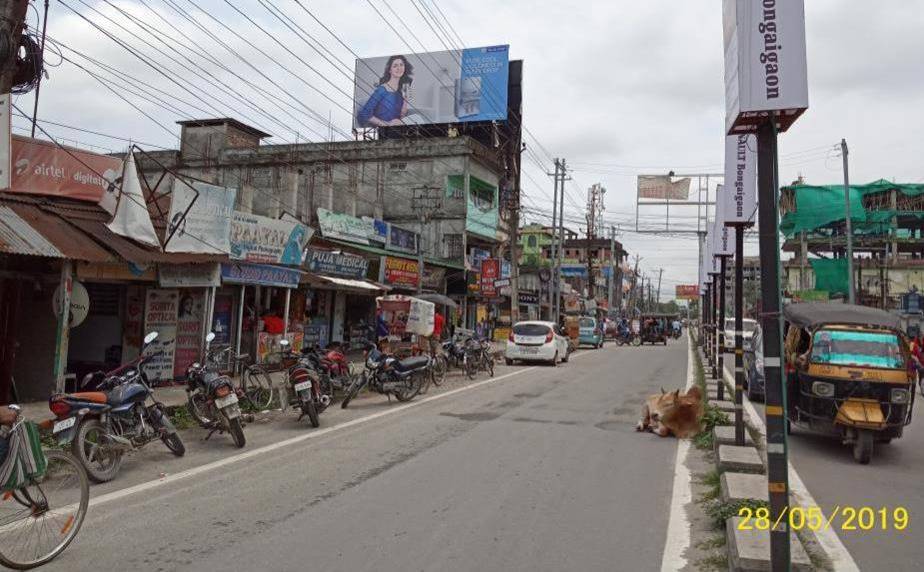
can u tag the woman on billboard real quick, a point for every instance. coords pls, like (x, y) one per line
(387, 105)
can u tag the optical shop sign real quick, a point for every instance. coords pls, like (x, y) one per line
(256, 238)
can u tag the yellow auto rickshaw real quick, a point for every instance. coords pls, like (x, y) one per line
(848, 372)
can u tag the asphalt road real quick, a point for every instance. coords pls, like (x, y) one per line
(540, 470)
(894, 478)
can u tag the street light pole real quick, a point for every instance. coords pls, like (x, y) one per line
(851, 288)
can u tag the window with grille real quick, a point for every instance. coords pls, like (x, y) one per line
(453, 246)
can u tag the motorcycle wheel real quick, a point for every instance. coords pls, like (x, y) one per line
(413, 385)
(489, 364)
(471, 369)
(312, 412)
(353, 390)
(636, 341)
(90, 434)
(174, 443)
(237, 432)
(620, 342)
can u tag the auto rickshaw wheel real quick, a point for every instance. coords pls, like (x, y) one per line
(863, 446)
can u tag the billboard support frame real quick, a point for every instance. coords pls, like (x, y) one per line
(702, 202)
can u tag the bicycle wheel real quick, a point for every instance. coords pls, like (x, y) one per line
(258, 387)
(488, 360)
(438, 369)
(39, 520)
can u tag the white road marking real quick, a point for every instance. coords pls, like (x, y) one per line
(148, 485)
(826, 537)
(678, 525)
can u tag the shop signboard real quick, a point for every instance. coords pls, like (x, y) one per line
(189, 275)
(477, 256)
(259, 275)
(43, 168)
(121, 271)
(336, 264)
(343, 227)
(490, 271)
(378, 230)
(256, 238)
(206, 226)
(481, 211)
(471, 86)
(160, 315)
(574, 270)
(401, 240)
(190, 317)
(473, 280)
(528, 298)
(434, 277)
(80, 304)
(401, 272)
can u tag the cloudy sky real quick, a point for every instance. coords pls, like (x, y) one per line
(618, 88)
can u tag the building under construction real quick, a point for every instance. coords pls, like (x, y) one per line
(887, 222)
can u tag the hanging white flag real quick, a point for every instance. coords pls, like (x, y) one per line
(131, 218)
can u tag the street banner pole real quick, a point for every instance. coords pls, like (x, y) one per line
(720, 355)
(739, 335)
(775, 390)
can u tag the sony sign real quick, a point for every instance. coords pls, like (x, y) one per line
(765, 63)
(740, 195)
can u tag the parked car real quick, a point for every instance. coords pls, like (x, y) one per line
(748, 325)
(590, 333)
(754, 366)
(537, 341)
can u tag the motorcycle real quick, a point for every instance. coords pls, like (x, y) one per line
(331, 364)
(101, 426)
(309, 389)
(454, 351)
(211, 397)
(389, 375)
(628, 337)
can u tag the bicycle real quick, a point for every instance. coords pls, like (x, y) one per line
(255, 383)
(44, 495)
(477, 358)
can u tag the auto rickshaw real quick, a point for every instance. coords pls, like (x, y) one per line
(848, 372)
(573, 330)
(653, 329)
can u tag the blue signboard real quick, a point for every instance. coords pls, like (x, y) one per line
(336, 264)
(574, 271)
(259, 275)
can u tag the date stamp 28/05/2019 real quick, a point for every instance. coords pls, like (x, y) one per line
(845, 518)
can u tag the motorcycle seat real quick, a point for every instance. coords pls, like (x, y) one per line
(89, 396)
(407, 364)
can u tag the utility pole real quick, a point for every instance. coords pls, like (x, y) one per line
(594, 222)
(851, 288)
(556, 244)
(658, 298)
(561, 233)
(12, 21)
(428, 200)
(609, 284)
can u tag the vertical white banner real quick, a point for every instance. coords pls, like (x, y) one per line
(740, 197)
(5, 140)
(725, 235)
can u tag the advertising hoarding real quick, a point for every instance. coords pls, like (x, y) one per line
(206, 227)
(189, 275)
(686, 291)
(256, 238)
(160, 315)
(662, 187)
(259, 275)
(433, 87)
(765, 62)
(190, 315)
(42, 168)
(725, 235)
(401, 240)
(740, 179)
(490, 272)
(343, 227)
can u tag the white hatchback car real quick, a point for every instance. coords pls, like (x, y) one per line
(536, 341)
(748, 326)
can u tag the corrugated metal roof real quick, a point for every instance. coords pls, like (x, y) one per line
(18, 237)
(68, 240)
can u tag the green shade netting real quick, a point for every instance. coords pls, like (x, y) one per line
(830, 275)
(820, 205)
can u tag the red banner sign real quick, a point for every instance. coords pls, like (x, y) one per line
(686, 292)
(43, 168)
(490, 271)
(401, 272)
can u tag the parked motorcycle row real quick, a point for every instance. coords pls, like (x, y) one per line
(117, 412)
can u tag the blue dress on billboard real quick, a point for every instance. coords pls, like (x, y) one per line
(383, 104)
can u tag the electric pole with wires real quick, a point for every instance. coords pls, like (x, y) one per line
(428, 200)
